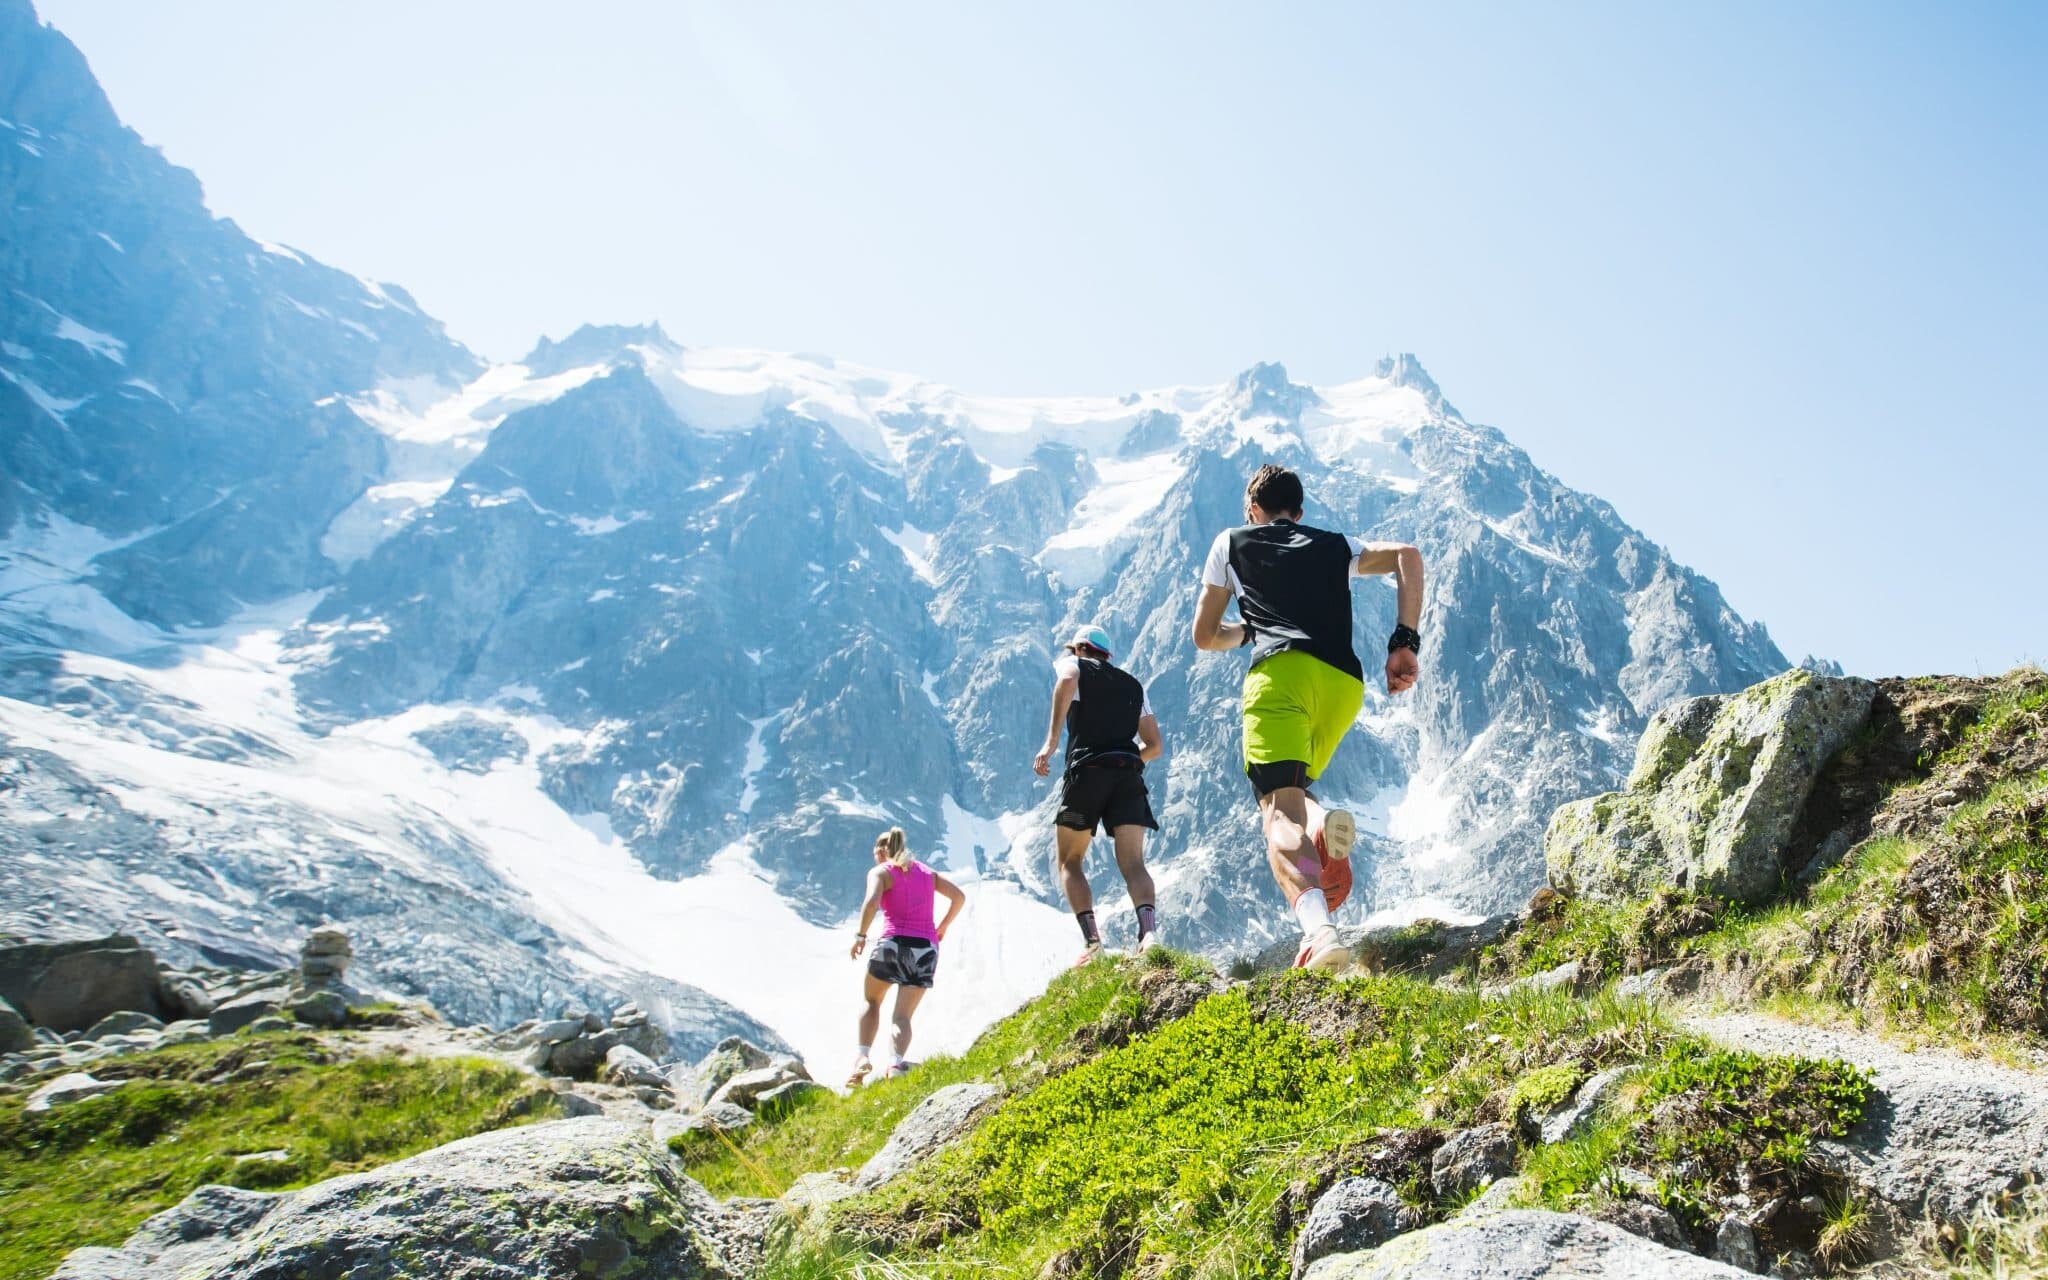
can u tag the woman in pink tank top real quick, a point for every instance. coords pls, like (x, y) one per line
(907, 956)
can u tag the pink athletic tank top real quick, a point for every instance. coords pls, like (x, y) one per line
(907, 903)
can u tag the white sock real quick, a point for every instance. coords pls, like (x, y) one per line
(862, 1050)
(1312, 909)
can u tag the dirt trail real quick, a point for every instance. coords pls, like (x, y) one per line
(1944, 1134)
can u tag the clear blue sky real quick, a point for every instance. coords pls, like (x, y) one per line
(1773, 279)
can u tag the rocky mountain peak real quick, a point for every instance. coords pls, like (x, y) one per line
(597, 344)
(1264, 389)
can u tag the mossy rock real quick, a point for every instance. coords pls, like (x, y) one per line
(1716, 792)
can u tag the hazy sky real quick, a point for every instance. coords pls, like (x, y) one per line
(1773, 279)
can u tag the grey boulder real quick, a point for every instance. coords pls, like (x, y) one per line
(1472, 1158)
(1717, 787)
(785, 1097)
(933, 1124)
(728, 1058)
(228, 1018)
(15, 1033)
(625, 1065)
(320, 1009)
(1357, 1213)
(74, 1086)
(572, 1198)
(68, 986)
(181, 997)
(1521, 1244)
(126, 1022)
(744, 1088)
(194, 1233)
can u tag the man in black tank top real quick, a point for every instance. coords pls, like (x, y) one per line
(1111, 733)
(1305, 686)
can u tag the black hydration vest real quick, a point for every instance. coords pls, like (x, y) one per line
(1294, 591)
(1103, 721)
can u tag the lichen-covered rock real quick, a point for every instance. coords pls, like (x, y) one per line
(1716, 790)
(744, 1088)
(717, 1117)
(572, 1198)
(1521, 1244)
(728, 1058)
(625, 1065)
(193, 1234)
(1356, 1213)
(1473, 1158)
(931, 1125)
(320, 1009)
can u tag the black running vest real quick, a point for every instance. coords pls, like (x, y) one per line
(1103, 721)
(1294, 591)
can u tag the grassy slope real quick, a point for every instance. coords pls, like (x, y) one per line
(1939, 929)
(1193, 1144)
(90, 1172)
(843, 1132)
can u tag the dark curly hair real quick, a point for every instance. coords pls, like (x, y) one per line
(1276, 489)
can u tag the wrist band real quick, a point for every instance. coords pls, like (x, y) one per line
(1405, 637)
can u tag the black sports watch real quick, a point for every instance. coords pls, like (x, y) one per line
(1405, 637)
(1247, 634)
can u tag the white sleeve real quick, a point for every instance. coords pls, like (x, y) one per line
(1066, 667)
(1357, 549)
(1216, 570)
(1147, 709)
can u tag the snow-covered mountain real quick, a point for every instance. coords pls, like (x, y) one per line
(600, 670)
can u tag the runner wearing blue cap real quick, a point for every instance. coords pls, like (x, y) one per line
(1111, 733)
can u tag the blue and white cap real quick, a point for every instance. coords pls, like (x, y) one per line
(1094, 637)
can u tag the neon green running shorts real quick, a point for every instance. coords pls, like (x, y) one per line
(1298, 707)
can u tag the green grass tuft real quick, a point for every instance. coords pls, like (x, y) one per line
(91, 1171)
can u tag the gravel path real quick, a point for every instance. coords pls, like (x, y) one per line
(1944, 1134)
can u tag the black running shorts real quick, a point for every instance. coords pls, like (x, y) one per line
(1106, 796)
(906, 962)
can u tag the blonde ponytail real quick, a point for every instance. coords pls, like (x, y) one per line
(891, 844)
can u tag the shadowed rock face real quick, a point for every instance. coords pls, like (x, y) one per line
(1715, 794)
(162, 375)
(573, 1198)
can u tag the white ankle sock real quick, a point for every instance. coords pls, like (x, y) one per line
(1312, 909)
(862, 1050)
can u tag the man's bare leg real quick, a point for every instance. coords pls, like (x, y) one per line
(1070, 851)
(1130, 861)
(1291, 852)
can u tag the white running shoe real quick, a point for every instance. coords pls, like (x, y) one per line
(1323, 950)
(859, 1075)
(1151, 942)
(1339, 833)
(1088, 954)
